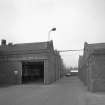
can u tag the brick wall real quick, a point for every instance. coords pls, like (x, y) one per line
(92, 67)
(98, 73)
(7, 75)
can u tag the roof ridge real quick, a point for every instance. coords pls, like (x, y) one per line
(30, 43)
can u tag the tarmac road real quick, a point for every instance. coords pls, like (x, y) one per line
(67, 91)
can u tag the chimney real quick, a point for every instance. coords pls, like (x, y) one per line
(3, 42)
(10, 44)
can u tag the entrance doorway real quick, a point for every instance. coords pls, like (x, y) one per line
(33, 72)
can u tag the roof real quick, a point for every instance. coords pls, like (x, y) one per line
(99, 52)
(96, 46)
(23, 47)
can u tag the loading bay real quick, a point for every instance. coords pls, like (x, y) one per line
(66, 91)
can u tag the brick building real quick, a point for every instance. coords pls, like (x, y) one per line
(92, 66)
(20, 63)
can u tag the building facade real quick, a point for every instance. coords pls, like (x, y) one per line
(92, 66)
(29, 62)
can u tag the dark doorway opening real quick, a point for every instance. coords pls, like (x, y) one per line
(33, 72)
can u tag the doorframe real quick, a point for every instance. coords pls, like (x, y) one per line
(36, 60)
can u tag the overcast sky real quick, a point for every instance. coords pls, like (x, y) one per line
(77, 21)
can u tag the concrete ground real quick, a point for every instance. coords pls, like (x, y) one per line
(67, 91)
